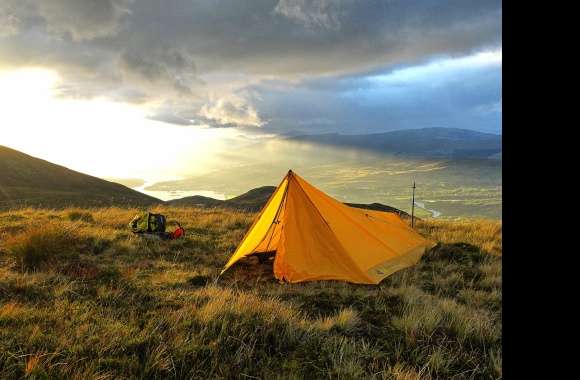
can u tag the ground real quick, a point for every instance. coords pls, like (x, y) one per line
(81, 297)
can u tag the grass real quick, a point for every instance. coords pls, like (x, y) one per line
(486, 235)
(81, 297)
(44, 246)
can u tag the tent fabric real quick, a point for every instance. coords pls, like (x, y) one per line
(261, 225)
(316, 237)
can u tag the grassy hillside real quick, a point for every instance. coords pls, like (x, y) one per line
(81, 297)
(30, 181)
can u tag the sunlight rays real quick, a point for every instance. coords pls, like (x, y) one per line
(97, 136)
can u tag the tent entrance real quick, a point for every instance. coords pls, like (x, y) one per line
(267, 248)
(264, 257)
(271, 239)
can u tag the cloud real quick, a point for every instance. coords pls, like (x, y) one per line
(170, 71)
(9, 22)
(231, 111)
(324, 14)
(460, 92)
(197, 57)
(85, 19)
(171, 118)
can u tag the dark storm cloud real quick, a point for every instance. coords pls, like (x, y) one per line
(166, 70)
(202, 55)
(460, 93)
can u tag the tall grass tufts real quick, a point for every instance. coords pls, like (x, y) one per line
(45, 246)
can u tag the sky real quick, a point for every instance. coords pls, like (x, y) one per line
(79, 78)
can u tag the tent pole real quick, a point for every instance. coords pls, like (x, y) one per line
(413, 207)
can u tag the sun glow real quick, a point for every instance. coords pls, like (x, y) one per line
(97, 136)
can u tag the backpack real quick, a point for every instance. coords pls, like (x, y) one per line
(148, 223)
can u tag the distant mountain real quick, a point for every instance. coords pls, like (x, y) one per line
(195, 200)
(428, 142)
(30, 181)
(379, 207)
(252, 200)
(256, 198)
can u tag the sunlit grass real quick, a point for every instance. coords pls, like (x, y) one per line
(486, 234)
(82, 297)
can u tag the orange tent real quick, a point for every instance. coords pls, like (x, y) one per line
(316, 237)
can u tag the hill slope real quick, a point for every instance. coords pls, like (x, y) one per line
(30, 181)
(427, 142)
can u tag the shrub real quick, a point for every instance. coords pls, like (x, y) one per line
(42, 247)
(80, 215)
(198, 280)
(485, 234)
(460, 253)
(98, 245)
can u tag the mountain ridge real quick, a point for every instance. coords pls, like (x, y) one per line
(255, 199)
(455, 143)
(252, 200)
(26, 180)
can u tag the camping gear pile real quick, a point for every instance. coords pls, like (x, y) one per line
(153, 226)
(316, 237)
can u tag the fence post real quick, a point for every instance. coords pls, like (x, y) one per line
(413, 207)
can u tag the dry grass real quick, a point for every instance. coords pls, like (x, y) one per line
(43, 246)
(485, 234)
(81, 297)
